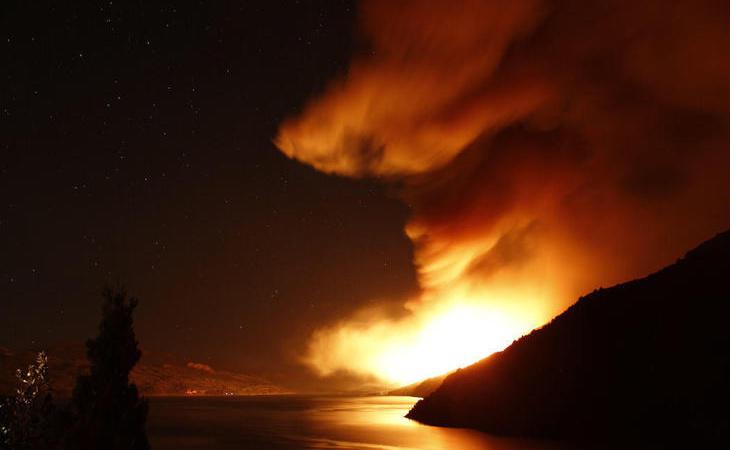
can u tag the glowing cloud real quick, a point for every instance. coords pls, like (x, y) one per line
(545, 147)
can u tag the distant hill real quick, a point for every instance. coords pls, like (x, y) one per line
(154, 375)
(645, 359)
(420, 388)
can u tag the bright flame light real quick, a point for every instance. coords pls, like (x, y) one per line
(434, 340)
(456, 321)
(456, 338)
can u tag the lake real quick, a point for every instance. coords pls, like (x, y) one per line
(309, 422)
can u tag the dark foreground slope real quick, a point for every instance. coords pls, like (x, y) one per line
(648, 358)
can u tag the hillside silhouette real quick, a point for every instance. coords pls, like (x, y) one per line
(647, 359)
(157, 374)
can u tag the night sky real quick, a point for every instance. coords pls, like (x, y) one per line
(136, 149)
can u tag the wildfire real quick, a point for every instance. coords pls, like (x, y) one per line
(437, 337)
(452, 339)
(533, 174)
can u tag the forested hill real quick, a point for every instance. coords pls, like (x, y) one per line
(649, 358)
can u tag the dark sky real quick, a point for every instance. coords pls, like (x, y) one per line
(136, 148)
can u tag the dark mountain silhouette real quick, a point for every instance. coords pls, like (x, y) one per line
(155, 374)
(647, 359)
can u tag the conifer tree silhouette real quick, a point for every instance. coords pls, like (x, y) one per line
(109, 413)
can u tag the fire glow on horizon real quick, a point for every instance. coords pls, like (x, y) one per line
(544, 148)
(457, 322)
(404, 353)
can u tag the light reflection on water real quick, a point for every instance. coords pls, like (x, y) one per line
(302, 422)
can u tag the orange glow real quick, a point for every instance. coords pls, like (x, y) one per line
(460, 318)
(435, 338)
(532, 175)
(453, 339)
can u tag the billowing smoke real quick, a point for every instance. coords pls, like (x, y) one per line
(545, 148)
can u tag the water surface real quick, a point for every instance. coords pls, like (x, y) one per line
(304, 422)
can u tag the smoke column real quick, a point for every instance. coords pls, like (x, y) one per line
(545, 148)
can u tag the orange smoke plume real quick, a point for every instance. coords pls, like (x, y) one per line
(545, 148)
